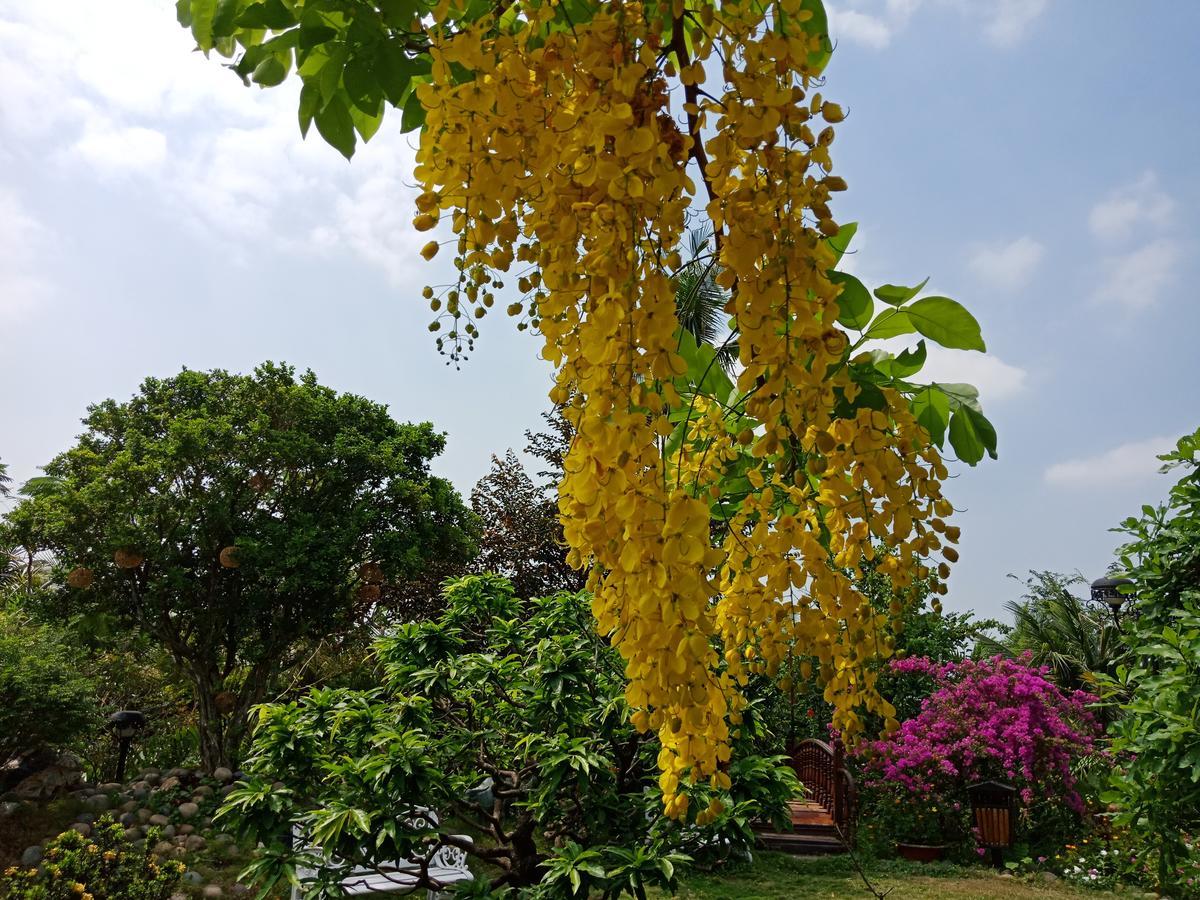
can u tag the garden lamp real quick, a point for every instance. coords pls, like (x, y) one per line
(993, 809)
(124, 724)
(1108, 590)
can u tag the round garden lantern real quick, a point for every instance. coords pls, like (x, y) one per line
(124, 724)
(1108, 590)
(993, 808)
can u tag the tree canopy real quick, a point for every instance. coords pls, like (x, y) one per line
(237, 519)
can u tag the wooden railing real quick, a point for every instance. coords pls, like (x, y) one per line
(822, 770)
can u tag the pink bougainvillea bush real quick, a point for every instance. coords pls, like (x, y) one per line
(994, 719)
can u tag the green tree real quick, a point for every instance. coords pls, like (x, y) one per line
(700, 301)
(508, 718)
(1156, 741)
(237, 519)
(1059, 631)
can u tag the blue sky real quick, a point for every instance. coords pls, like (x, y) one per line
(1040, 159)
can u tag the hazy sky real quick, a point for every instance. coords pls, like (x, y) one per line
(1040, 159)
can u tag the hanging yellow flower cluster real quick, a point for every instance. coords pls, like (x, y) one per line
(561, 157)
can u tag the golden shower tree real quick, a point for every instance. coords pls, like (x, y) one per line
(569, 145)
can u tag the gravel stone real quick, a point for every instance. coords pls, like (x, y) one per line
(32, 856)
(187, 810)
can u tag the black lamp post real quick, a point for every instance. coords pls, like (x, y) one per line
(1108, 590)
(993, 807)
(124, 724)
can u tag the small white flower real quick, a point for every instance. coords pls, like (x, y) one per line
(1104, 853)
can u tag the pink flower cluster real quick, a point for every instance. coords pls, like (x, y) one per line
(987, 719)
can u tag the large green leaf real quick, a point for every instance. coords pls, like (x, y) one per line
(855, 306)
(362, 86)
(971, 434)
(906, 365)
(947, 322)
(271, 14)
(896, 294)
(225, 18)
(336, 126)
(961, 395)
(817, 26)
(932, 409)
(890, 323)
(413, 116)
(840, 242)
(705, 375)
(310, 102)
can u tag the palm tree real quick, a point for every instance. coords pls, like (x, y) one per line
(1054, 625)
(700, 301)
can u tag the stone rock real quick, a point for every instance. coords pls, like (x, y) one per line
(145, 815)
(162, 848)
(193, 843)
(139, 785)
(178, 772)
(205, 822)
(112, 787)
(227, 790)
(169, 783)
(223, 774)
(152, 778)
(129, 806)
(178, 897)
(159, 819)
(60, 777)
(128, 819)
(212, 890)
(169, 831)
(82, 827)
(139, 845)
(187, 810)
(1049, 876)
(141, 794)
(239, 889)
(203, 791)
(9, 808)
(86, 817)
(32, 856)
(186, 829)
(132, 834)
(222, 837)
(99, 803)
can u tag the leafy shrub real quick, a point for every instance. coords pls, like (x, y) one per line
(1156, 742)
(101, 867)
(508, 718)
(45, 702)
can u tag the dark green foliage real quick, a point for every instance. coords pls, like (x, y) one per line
(507, 717)
(1157, 739)
(228, 517)
(103, 866)
(45, 700)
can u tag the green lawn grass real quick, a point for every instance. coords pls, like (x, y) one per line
(777, 876)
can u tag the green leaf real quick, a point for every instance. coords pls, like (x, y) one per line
(364, 124)
(183, 12)
(271, 71)
(855, 306)
(313, 34)
(910, 362)
(224, 18)
(336, 126)
(817, 26)
(413, 116)
(971, 434)
(841, 241)
(895, 294)
(310, 102)
(267, 14)
(946, 321)
(961, 395)
(362, 86)
(890, 323)
(932, 409)
(394, 71)
(202, 21)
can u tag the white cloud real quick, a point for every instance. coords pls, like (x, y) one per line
(1135, 280)
(1125, 464)
(1008, 265)
(1130, 207)
(859, 28)
(114, 149)
(873, 23)
(23, 242)
(1009, 20)
(996, 379)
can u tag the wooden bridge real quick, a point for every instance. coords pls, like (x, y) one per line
(823, 821)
